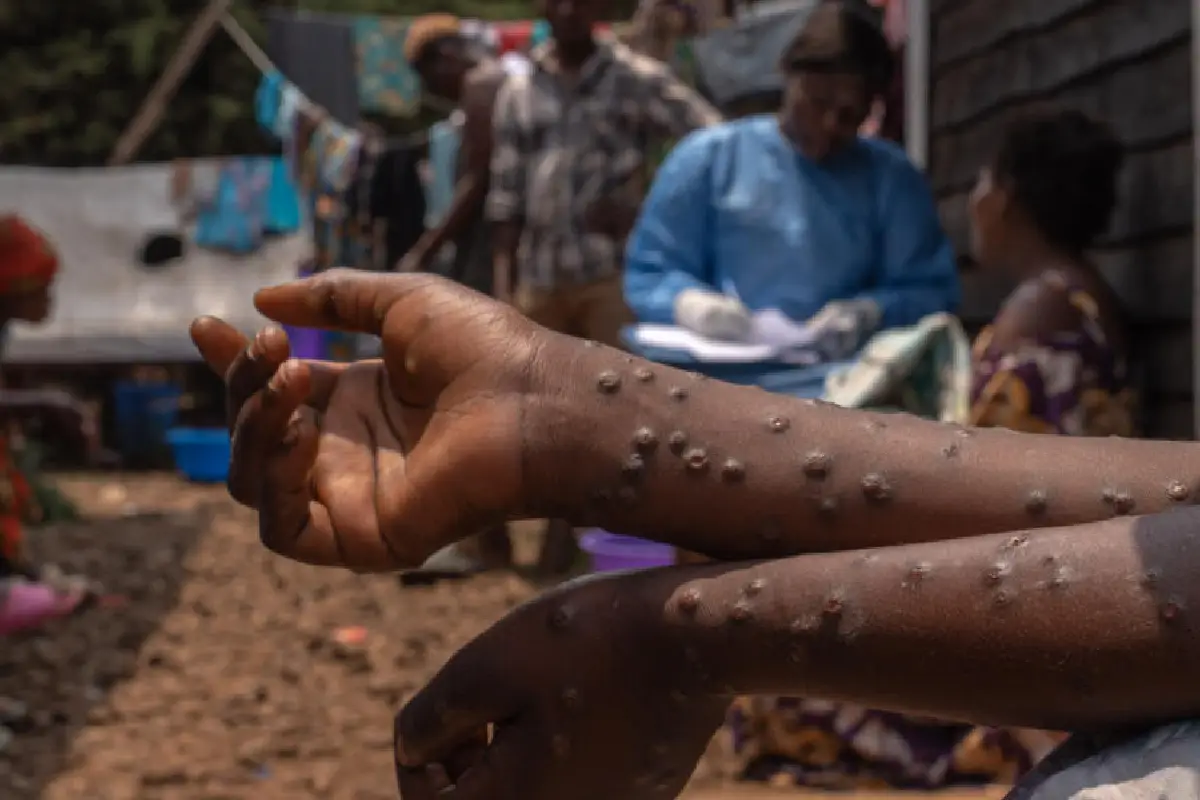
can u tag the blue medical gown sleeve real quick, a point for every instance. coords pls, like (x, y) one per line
(670, 246)
(918, 275)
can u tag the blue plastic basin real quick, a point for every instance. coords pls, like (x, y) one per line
(201, 454)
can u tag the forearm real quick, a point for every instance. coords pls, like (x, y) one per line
(1067, 629)
(734, 472)
(464, 208)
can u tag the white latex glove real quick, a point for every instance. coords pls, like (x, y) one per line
(713, 315)
(843, 326)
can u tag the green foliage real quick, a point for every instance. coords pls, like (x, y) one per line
(75, 72)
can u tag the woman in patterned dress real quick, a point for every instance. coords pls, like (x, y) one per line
(1053, 361)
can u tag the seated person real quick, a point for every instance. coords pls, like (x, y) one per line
(795, 211)
(1054, 360)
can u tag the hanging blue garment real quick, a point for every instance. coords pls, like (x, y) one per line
(267, 101)
(283, 200)
(444, 140)
(235, 220)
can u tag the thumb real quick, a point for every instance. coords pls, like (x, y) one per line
(467, 694)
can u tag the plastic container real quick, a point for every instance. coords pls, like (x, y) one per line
(610, 552)
(201, 454)
(144, 413)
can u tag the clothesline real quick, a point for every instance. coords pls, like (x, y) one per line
(245, 42)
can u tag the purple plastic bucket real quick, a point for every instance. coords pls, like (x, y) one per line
(612, 553)
(306, 342)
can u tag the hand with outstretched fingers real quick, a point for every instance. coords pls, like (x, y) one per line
(585, 694)
(377, 464)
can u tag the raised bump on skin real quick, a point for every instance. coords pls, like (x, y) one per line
(817, 465)
(733, 471)
(677, 442)
(608, 382)
(678, 393)
(689, 601)
(876, 488)
(995, 574)
(560, 617)
(1178, 492)
(645, 440)
(643, 375)
(778, 424)
(696, 459)
(755, 587)
(633, 468)
(1036, 502)
(740, 612)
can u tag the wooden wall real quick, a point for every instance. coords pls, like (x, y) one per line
(1125, 61)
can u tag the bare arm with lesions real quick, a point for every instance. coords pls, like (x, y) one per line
(1068, 629)
(736, 473)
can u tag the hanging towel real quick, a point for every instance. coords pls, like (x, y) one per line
(335, 148)
(316, 53)
(236, 219)
(283, 200)
(267, 102)
(444, 138)
(385, 81)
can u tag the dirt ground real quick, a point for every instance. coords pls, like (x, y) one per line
(215, 671)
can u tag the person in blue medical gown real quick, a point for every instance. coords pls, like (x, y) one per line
(795, 211)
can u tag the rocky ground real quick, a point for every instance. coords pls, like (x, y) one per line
(215, 671)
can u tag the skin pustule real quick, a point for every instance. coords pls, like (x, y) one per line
(1065, 629)
(656, 451)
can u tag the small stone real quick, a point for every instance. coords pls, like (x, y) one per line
(677, 442)
(816, 465)
(875, 488)
(733, 471)
(609, 382)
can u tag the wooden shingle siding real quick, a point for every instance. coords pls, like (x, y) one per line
(1127, 62)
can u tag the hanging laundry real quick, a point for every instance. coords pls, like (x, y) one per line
(316, 53)
(385, 81)
(444, 139)
(282, 201)
(336, 149)
(235, 220)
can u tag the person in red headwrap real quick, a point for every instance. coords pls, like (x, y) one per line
(28, 266)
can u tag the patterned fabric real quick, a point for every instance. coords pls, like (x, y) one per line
(560, 148)
(1072, 383)
(386, 83)
(27, 259)
(923, 370)
(789, 742)
(236, 218)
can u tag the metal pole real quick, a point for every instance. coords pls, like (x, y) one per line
(916, 82)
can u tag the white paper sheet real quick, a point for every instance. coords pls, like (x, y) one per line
(774, 337)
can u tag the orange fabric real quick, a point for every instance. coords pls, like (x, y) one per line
(27, 260)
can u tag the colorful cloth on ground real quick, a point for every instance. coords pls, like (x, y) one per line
(1073, 382)
(27, 259)
(789, 742)
(386, 82)
(923, 370)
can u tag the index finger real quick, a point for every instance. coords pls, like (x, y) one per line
(340, 299)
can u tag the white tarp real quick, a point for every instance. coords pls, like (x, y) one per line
(107, 306)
